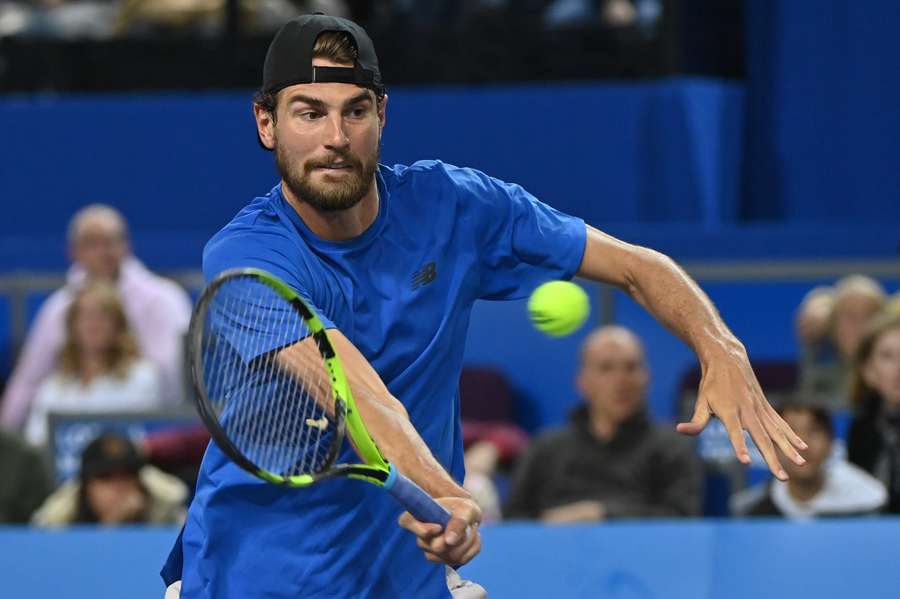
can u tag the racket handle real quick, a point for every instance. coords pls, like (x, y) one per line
(416, 501)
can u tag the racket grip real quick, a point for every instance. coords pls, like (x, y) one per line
(416, 501)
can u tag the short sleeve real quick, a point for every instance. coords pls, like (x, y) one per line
(268, 250)
(248, 327)
(521, 241)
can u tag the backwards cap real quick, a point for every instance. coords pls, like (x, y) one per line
(289, 59)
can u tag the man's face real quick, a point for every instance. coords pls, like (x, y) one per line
(100, 246)
(817, 438)
(613, 377)
(882, 370)
(116, 498)
(325, 138)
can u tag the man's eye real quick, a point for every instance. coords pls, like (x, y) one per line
(358, 113)
(310, 115)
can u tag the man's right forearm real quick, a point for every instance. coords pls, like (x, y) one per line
(387, 420)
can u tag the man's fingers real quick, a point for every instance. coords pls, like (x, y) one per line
(437, 545)
(698, 422)
(764, 444)
(455, 533)
(736, 434)
(420, 529)
(438, 551)
(786, 429)
(471, 551)
(779, 436)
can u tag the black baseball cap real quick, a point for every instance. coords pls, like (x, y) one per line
(289, 58)
(109, 453)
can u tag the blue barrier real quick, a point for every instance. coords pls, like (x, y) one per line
(649, 560)
(616, 152)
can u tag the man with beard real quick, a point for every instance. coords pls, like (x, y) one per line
(394, 258)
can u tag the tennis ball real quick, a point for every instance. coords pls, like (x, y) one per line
(558, 308)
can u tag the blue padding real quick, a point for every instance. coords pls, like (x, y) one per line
(648, 152)
(655, 560)
(416, 501)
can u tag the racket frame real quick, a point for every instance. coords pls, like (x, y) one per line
(375, 468)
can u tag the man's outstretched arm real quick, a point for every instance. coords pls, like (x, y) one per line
(728, 389)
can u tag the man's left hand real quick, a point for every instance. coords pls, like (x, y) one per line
(730, 391)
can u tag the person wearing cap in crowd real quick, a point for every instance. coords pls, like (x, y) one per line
(158, 311)
(115, 486)
(393, 259)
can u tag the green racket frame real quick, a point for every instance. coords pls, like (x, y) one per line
(375, 468)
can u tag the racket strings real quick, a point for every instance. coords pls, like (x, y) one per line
(273, 406)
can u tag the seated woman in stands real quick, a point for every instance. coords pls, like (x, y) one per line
(830, 324)
(874, 440)
(100, 369)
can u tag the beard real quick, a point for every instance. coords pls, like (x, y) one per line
(328, 197)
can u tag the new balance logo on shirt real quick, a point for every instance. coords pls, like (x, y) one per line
(425, 275)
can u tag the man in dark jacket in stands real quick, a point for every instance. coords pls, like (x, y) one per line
(610, 461)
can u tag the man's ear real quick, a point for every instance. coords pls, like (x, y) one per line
(265, 126)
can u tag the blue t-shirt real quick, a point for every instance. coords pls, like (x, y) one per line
(402, 292)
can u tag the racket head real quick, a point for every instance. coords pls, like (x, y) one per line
(280, 426)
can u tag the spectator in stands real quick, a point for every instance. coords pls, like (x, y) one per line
(158, 311)
(830, 324)
(611, 461)
(207, 17)
(99, 369)
(874, 439)
(820, 488)
(114, 487)
(26, 479)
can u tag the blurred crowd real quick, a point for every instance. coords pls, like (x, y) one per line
(111, 340)
(108, 19)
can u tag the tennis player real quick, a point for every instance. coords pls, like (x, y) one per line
(394, 258)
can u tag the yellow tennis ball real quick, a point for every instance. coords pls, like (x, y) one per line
(558, 308)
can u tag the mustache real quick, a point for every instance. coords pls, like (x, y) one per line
(342, 156)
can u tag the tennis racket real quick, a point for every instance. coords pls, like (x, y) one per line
(280, 414)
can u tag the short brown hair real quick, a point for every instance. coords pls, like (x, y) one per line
(336, 46)
(123, 351)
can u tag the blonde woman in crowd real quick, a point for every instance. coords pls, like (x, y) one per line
(830, 324)
(874, 440)
(99, 367)
(158, 312)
